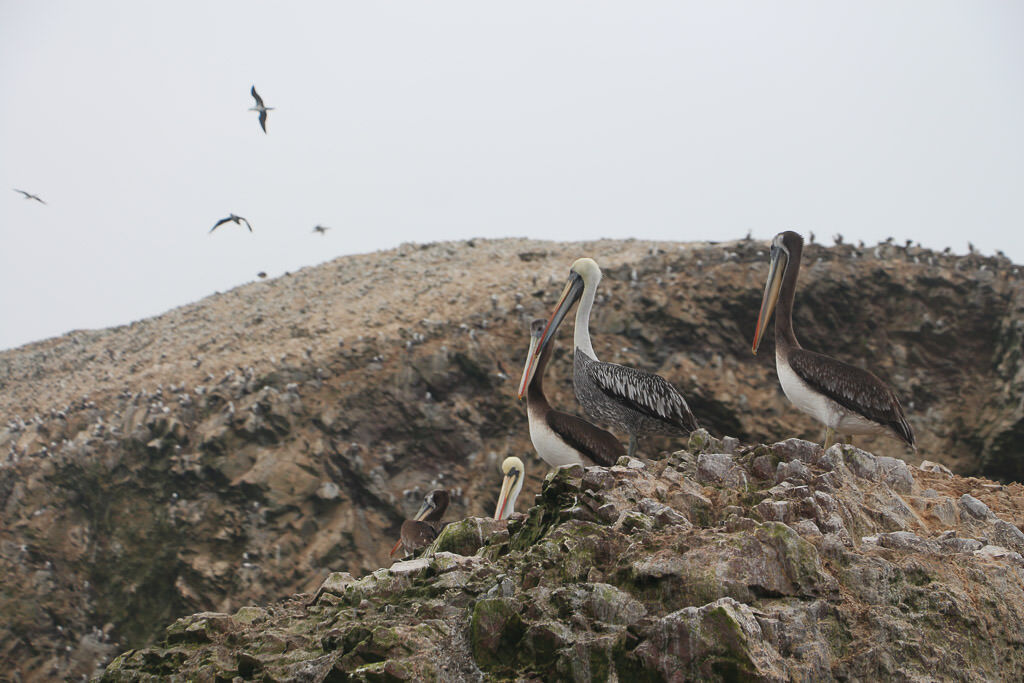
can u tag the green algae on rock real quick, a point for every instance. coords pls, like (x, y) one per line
(840, 566)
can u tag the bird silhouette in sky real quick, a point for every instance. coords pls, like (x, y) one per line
(322, 229)
(261, 108)
(231, 219)
(29, 195)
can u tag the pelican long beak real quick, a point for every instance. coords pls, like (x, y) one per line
(530, 368)
(771, 293)
(424, 510)
(507, 486)
(570, 295)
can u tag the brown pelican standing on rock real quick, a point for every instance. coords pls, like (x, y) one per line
(560, 438)
(511, 485)
(632, 400)
(231, 219)
(422, 529)
(846, 399)
(260, 108)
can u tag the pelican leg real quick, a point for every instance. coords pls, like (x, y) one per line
(632, 445)
(830, 437)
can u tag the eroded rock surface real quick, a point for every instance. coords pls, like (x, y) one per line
(246, 446)
(838, 566)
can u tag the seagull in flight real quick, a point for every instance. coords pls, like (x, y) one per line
(261, 108)
(231, 219)
(29, 195)
(322, 229)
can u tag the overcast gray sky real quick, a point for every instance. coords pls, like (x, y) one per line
(424, 121)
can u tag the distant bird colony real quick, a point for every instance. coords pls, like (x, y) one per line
(845, 399)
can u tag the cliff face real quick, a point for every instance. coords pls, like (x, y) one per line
(778, 563)
(244, 447)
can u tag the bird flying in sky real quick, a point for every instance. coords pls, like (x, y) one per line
(231, 219)
(261, 108)
(29, 195)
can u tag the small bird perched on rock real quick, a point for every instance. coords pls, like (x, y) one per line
(422, 529)
(231, 219)
(260, 108)
(511, 485)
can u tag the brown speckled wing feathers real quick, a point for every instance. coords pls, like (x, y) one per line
(853, 388)
(595, 443)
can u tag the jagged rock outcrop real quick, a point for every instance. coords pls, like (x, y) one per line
(774, 563)
(246, 446)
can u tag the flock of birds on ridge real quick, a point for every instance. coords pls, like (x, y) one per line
(846, 399)
(231, 218)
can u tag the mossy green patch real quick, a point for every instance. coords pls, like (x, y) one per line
(495, 631)
(798, 556)
(532, 529)
(462, 538)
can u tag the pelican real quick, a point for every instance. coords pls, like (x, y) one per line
(846, 399)
(514, 472)
(560, 438)
(231, 219)
(260, 108)
(631, 400)
(423, 527)
(29, 195)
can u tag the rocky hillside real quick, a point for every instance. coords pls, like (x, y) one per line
(780, 563)
(246, 446)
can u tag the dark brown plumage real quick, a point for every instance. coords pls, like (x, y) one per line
(422, 529)
(845, 398)
(593, 445)
(435, 504)
(853, 388)
(416, 535)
